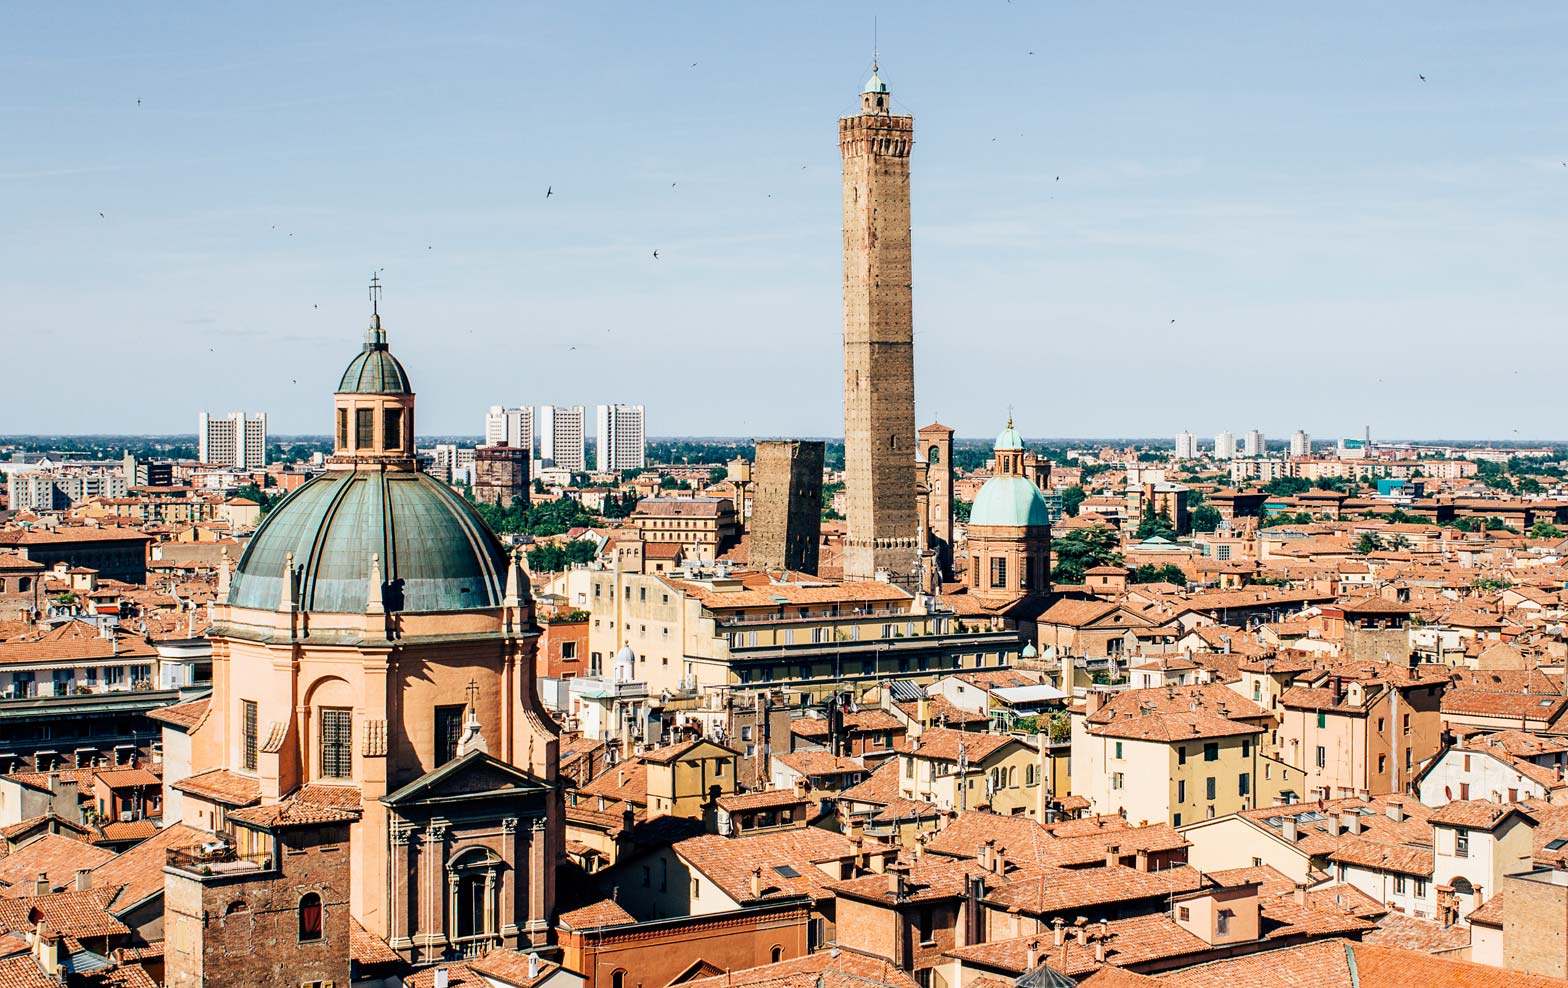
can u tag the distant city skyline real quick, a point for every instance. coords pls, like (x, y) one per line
(1124, 222)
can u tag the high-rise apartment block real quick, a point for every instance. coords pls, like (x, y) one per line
(561, 437)
(879, 359)
(622, 442)
(1254, 444)
(1300, 444)
(786, 512)
(235, 440)
(1186, 446)
(510, 427)
(1225, 446)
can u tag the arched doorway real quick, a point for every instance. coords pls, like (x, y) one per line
(474, 885)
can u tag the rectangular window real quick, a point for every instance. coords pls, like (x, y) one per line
(1118, 749)
(364, 428)
(1211, 751)
(1222, 921)
(1322, 757)
(1181, 754)
(1209, 787)
(1244, 783)
(343, 428)
(392, 428)
(1461, 843)
(1175, 819)
(999, 571)
(248, 729)
(1246, 747)
(1322, 720)
(1181, 790)
(1420, 888)
(337, 743)
(1399, 884)
(1116, 780)
(449, 730)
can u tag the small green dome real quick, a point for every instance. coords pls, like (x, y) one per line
(436, 553)
(1009, 438)
(1010, 501)
(875, 84)
(374, 371)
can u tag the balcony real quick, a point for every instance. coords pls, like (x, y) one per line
(217, 859)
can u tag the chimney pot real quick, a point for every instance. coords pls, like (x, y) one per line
(84, 878)
(1058, 931)
(41, 884)
(756, 883)
(1034, 955)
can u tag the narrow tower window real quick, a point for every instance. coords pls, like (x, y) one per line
(342, 428)
(392, 429)
(337, 743)
(364, 428)
(248, 732)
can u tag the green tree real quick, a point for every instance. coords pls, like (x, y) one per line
(546, 559)
(961, 510)
(828, 493)
(253, 493)
(1399, 542)
(1529, 485)
(718, 474)
(1285, 486)
(1206, 518)
(1154, 525)
(619, 505)
(1369, 543)
(580, 551)
(1072, 498)
(1082, 550)
(1545, 530)
(1168, 573)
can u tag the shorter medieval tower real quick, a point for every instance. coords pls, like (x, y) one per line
(786, 511)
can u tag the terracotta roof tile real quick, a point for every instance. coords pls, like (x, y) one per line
(728, 862)
(605, 912)
(138, 871)
(222, 786)
(55, 855)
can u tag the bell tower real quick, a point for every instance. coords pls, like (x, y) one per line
(879, 365)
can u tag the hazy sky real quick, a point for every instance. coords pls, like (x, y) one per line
(1338, 242)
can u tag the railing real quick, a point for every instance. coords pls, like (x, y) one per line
(216, 862)
(776, 618)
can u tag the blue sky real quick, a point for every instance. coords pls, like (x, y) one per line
(1338, 242)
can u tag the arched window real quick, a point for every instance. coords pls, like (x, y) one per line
(237, 906)
(309, 917)
(778, 953)
(618, 978)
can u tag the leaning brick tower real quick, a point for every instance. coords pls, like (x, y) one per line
(879, 358)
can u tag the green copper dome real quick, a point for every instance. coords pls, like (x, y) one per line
(1009, 439)
(436, 553)
(1011, 501)
(374, 371)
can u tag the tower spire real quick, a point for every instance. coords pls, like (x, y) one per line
(375, 293)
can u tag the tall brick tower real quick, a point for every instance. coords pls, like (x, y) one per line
(879, 358)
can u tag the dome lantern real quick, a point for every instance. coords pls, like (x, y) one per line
(374, 403)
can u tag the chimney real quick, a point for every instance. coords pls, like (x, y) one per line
(1396, 810)
(1081, 930)
(1288, 829)
(999, 861)
(1033, 960)
(1350, 821)
(1336, 689)
(1100, 944)
(923, 711)
(983, 855)
(895, 884)
(41, 884)
(756, 883)
(920, 844)
(84, 879)
(620, 777)
(1058, 931)
(533, 965)
(1300, 895)
(1141, 859)
(1113, 855)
